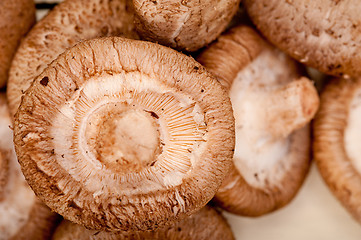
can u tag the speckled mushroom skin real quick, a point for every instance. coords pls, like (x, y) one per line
(227, 58)
(330, 154)
(205, 224)
(183, 24)
(16, 18)
(68, 23)
(323, 34)
(88, 200)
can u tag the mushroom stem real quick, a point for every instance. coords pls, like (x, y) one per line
(290, 107)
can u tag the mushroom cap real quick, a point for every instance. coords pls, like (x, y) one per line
(22, 215)
(268, 173)
(16, 18)
(206, 224)
(119, 134)
(183, 25)
(321, 34)
(334, 158)
(69, 22)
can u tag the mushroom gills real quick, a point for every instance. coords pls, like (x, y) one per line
(85, 104)
(136, 129)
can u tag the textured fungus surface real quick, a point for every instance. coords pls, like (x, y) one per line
(68, 23)
(323, 34)
(173, 117)
(16, 18)
(183, 24)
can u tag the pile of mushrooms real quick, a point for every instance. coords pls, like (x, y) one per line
(128, 139)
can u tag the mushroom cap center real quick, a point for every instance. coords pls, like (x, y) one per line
(125, 138)
(128, 131)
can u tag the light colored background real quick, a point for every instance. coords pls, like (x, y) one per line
(313, 215)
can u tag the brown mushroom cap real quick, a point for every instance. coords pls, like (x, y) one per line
(206, 224)
(184, 25)
(16, 18)
(335, 137)
(120, 134)
(322, 34)
(22, 215)
(271, 110)
(69, 22)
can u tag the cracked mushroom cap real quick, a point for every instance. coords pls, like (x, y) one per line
(272, 110)
(119, 134)
(183, 24)
(68, 23)
(206, 224)
(16, 18)
(22, 215)
(336, 142)
(322, 34)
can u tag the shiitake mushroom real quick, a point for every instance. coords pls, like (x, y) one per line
(119, 134)
(272, 109)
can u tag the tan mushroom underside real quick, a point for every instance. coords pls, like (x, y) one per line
(323, 34)
(334, 161)
(68, 23)
(206, 224)
(60, 126)
(271, 158)
(22, 215)
(16, 18)
(182, 24)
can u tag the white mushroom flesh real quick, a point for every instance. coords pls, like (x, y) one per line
(269, 105)
(127, 133)
(352, 136)
(258, 154)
